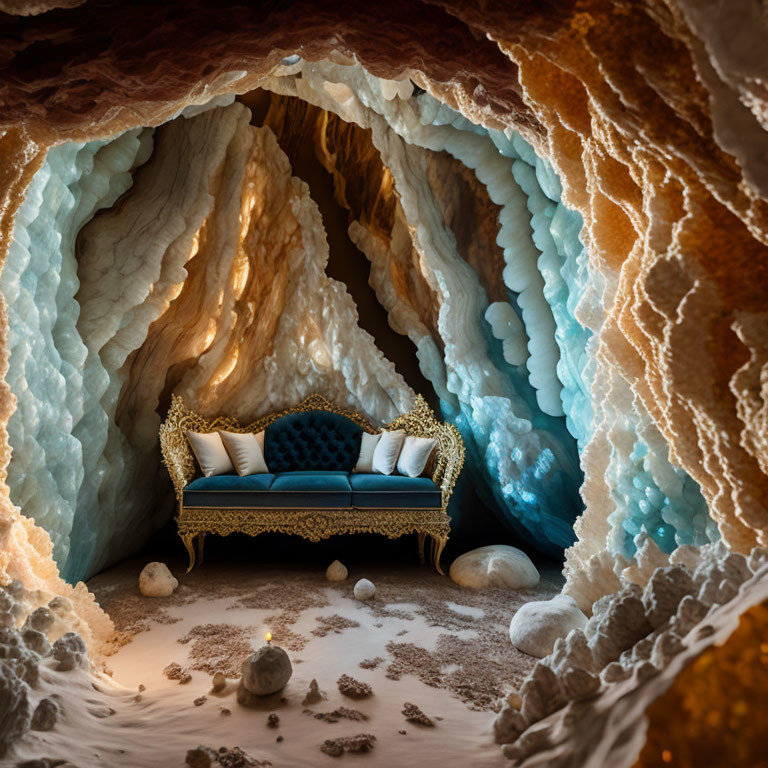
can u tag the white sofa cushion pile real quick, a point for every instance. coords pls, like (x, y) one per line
(414, 455)
(246, 451)
(211, 454)
(220, 453)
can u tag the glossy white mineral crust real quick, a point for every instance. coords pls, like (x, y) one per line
(364, 590)
(94, 470)
(628, 653)
(537, 625)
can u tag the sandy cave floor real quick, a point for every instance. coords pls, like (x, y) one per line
(421, 640)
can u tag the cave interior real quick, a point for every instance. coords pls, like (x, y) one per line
(561, 251)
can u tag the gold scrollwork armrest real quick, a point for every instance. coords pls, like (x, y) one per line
(177, 455)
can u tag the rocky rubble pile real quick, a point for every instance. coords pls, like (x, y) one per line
(635, 632)
(28, 640)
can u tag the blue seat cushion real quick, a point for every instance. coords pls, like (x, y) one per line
(394, 491)
(312, 440)
(311, 489)
(228, 491)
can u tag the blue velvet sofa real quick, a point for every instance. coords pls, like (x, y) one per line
(310, 489)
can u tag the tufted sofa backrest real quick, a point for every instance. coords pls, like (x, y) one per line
(313, 440)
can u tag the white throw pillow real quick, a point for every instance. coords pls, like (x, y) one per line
(386, 452)
(414, 455)
(367, 447)
(211, 454)
(246, 451)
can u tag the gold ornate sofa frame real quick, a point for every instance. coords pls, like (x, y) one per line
(311, 523)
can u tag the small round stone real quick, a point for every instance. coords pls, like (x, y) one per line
(364, 589)
(537, 625)
(497, 565)
(336, 571)
(156, 580)
(45, 716)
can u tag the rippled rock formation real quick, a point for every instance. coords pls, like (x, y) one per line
(469, 246)
(600, 183)
(526, 459)
(54, 413)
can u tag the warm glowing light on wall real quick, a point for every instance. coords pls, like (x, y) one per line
(226, 370)
(315, 344)
(250, 200)
(195, 245)
(341, 92)
(245, 220)
(210, 335)
(175, 291)
(387, 183)
(242, 270)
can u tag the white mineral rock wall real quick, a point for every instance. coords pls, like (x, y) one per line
(39, 281)
(37, 640)
(527, 459)
(187, 217)
(208, 280)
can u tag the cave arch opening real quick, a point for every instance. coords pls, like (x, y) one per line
(472, 256)
(115, 392)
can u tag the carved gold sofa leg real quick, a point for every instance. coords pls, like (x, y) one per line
(189, 543)
(438, 545)
(200, 546)
(422, 536)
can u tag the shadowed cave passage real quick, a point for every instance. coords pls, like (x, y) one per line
(298, 138)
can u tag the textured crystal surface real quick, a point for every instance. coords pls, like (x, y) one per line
(155, 282)
(651, 495)
(47, 355)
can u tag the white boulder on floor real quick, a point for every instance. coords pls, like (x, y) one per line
(156, 580)
(536, 626)
(497, 565)
(364, 589)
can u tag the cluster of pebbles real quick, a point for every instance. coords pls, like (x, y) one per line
(206, 757)
(633, 634)
(33, 638)
(355, 689)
